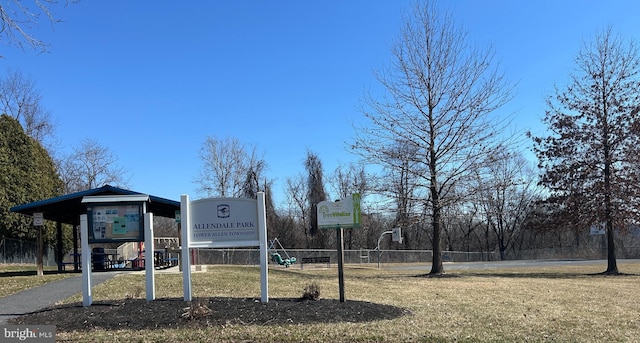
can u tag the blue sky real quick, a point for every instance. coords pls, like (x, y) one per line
(151, 80)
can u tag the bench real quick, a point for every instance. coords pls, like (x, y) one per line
(316, 259)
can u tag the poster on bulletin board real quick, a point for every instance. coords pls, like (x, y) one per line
(115, 223)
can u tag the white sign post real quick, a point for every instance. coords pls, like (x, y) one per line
(87, 297)
(339, 215)
(224, 223)
(149, 257)
(185, 255)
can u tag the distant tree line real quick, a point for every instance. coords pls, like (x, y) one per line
(435, 157)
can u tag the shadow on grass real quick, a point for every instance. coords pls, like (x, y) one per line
(514, 275)
(29, 273)
(64, 272)
(138, 314)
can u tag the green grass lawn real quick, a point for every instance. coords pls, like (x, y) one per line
(559, 304)
(18, 277)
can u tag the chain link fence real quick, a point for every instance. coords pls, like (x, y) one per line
(20, 251)
(251, 256)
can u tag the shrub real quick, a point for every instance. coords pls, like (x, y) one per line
(311, 292)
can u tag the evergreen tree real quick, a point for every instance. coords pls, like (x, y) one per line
(27, 174)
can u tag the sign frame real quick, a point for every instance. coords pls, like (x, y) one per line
(116, 205)
(252, 208)
(223, 223)
(345, 213)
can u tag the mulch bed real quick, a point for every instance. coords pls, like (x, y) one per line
(137, 314)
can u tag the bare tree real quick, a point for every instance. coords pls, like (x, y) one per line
(315, 194)
(91, 165)
(507, 194)
(255, 169)
(440, 92)
(402, 183)
(298, 199)
(315, 188)
(349, 179)
(165, 227)
(345, 181)
(18, 18)
(590, 160)
(229, 168)
(21, 100)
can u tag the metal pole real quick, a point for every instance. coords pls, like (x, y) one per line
(340, 241)
(380, 239)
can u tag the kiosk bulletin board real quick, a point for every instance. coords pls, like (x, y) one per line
(115, 222)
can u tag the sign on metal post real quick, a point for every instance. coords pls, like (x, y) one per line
(344, 213)
(340, 215)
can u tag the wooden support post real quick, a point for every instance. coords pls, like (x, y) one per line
(59, 252)
(40, 256)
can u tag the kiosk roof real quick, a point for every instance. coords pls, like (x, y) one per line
(68, 208)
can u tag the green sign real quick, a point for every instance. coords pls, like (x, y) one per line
(344, 213)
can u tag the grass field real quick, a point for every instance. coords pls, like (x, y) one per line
(555, 304)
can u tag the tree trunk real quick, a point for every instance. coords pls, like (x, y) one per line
(502, 249)
(436, 264)
(612, 265)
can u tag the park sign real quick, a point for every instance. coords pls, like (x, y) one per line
(223, 223)
(344, 213)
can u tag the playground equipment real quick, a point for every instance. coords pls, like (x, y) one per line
(396, 236)
(276, 257)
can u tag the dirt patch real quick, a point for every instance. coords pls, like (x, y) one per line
(138, 314)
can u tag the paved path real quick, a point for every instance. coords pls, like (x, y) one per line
(49, 294)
